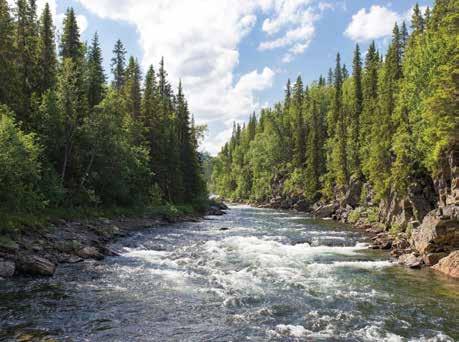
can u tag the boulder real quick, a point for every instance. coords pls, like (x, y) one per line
(435, 232)
(410, 260)
(433, 258)
(326, 210)
(35, 265)
(301, 205)
(353, 193)
(449, 265)
(7, 268)
(90, 253)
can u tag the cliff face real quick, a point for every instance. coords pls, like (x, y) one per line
(421, 227)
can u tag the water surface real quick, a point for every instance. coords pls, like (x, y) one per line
(271, 276)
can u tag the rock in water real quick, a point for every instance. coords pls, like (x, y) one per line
(7, 268)
(35, 265)
(410, 260)
(90, 253)
(449, 265)
(434, 232)
(326, 210)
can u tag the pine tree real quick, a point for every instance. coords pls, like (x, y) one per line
(354, 135)
(7, 56)
(47, 58)
(96, 76)
(27, 57)
(71, 46)
(298, 126)
(417, 20)
(340, 132)
(132, 87)
(118, 65)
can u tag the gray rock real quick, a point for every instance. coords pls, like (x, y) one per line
(35, 265)
(7, 268)
(434, 232)
(90, 253)
(433, 258)
(326, 210)
(449, 265)
(410, 260)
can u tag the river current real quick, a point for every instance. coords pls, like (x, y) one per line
(251, 275)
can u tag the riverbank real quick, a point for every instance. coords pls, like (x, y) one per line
(432, 243)
(37, 250)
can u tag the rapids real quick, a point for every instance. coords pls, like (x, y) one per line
(272, 276)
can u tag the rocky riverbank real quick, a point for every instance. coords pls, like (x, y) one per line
(38, 252)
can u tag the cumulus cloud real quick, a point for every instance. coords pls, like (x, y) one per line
(58, 18)
(297, 17)
(199, 41)
(377, 23)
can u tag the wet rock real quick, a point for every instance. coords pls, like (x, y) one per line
(449, 265)
(326, 210)
(215, 211)
(224, 228)
(410, 260)
(108, 251)
(301, 205)
(90, 253)
(435, 231)
(35, 265)
(433, 258)
(7, 268)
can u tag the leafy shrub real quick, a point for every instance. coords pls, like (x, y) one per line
(20, 167)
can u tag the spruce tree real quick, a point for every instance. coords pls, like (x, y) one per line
(298, 126)
(96, 76)
(417, 20)
(7, 56)
(132, 87)
(118, 65)
(340, 133)
(354, 136)
(48, 59)
(71, 46)
(26, 57)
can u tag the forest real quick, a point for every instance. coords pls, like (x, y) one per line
(390, 123)
(69, 138)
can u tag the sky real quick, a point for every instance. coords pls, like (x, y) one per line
(234, 56)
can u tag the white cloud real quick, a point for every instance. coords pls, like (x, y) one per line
(58, 18)
(378, 22)
(297, 17)
(81, 21)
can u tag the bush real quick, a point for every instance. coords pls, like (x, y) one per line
(20, 167)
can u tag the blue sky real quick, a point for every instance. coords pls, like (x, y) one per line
(235, 56)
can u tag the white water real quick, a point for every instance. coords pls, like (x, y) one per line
(272, 276)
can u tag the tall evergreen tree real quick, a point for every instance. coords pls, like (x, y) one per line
(298, 128)
(132, 87)
(47, 58)
(354, 134)
(27, 56)
(96, 75)
(118, 65)
(71, 46)
(7, 56)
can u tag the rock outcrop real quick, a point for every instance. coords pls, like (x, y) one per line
(436, 234)
(7, 268)
(35, 265)
(449, 265)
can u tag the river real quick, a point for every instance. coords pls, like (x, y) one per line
(251, 275)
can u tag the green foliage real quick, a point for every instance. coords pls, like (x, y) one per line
(20, 167)
(392, 120)
(74, 144)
